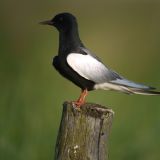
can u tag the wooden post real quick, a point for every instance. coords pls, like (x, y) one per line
(83, 133)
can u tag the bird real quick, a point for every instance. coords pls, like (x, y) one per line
(78, 64)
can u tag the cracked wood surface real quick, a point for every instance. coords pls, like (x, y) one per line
(83, 133)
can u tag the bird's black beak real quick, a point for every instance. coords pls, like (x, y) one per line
(48, 22)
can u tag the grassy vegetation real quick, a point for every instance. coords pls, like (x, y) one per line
(126, 35)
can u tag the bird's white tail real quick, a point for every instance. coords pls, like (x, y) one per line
(126, 89)
(144, 92)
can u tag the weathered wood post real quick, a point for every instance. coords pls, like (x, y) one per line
(83, 133)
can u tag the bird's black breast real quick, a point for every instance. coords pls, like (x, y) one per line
(65, 70)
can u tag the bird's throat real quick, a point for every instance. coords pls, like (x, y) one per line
(69, 41)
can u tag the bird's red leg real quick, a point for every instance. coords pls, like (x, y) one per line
(81, 99)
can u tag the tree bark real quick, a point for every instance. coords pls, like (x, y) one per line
(83, 133)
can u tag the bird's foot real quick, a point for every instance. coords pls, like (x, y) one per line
(81, 99)
(77, 104)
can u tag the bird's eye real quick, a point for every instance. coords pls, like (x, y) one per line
(61, 19)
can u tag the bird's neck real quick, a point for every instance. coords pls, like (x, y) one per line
(69, 41)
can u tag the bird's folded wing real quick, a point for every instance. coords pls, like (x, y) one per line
(90, 68)
(127, 83)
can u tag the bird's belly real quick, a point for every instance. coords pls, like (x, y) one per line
(66, 71)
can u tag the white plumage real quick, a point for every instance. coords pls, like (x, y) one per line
(88, 67)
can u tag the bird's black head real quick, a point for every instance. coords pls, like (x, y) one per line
(63, 22)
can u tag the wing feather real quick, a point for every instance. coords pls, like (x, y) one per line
(90, 68)
(127, 83)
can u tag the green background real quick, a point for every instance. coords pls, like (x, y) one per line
(125, 34)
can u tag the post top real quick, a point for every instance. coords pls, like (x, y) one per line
(90, 109)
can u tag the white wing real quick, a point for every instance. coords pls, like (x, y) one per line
(90, 68)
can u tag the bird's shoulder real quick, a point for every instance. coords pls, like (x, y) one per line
(86, 51)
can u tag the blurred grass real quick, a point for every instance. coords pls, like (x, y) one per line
(125, 34)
